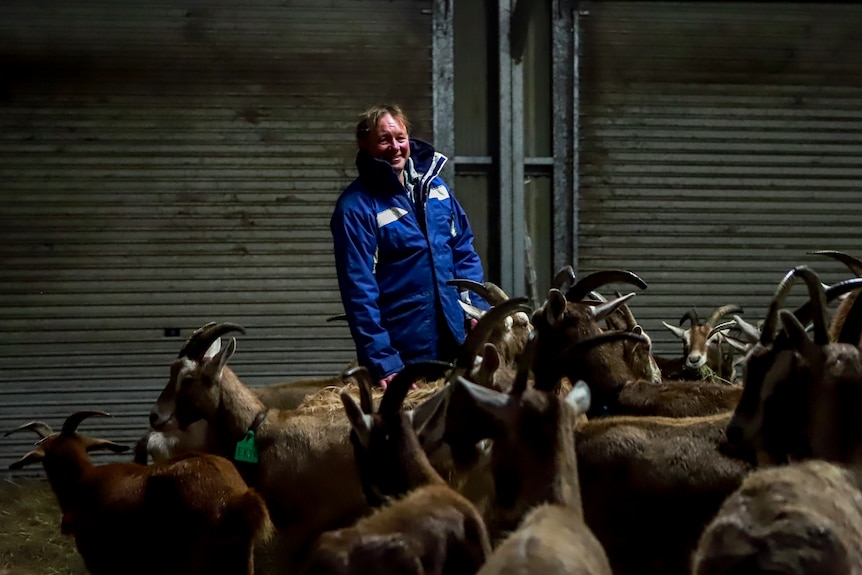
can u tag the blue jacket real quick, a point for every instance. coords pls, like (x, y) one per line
(392, 273)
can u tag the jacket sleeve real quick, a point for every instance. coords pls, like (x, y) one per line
(467, 264)
(354, 234)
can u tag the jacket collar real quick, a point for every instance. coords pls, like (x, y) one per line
(380, 177)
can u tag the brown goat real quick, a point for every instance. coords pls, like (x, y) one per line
(535, 476)
(650, 484)
(565, 320)
(806, 517)
(427, 527)
(773, 364)
(192, 514)
(790, 520)
(701, 346)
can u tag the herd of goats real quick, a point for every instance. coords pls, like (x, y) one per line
(557, 442)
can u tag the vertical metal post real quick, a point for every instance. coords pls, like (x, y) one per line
(576, 133)
(563, 149)
(511, 160)
(443, 71)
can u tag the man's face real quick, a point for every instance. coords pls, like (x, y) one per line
(389, 142)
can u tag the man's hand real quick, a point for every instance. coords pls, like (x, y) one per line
(384, 383)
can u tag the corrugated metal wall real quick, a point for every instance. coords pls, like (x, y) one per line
(719, 142)
(164, 164)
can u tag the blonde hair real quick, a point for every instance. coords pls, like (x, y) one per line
(371, 117)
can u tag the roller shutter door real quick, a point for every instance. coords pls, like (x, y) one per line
(719, 143)
(165, 164)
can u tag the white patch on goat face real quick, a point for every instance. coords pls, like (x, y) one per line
(186, 368)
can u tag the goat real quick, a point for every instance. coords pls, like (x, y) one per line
(618, 388)
(535, 475)
(564, 320)
(650, 484)
(196, 510)
(806, 517)
(428, 527)
(170, 439)
(774, 360)
(701, 346)
(790, 520)
(306, 469)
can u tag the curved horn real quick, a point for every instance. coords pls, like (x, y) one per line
(690, 315)
(722, 311)
(525, 363)
(73, 421)
(852, 263)
(601, 311)
(490, 292)
(770, 322)
(43, 430)
(400, 385)
(364, 382)
(803, 312)
(601, 278)
(486, 324)
(566, 275)
(337, 317)
(818, 300)
(203, 337)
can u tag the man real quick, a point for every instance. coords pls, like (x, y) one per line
(399, 236)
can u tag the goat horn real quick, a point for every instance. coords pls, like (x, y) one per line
(490, 292)
(852, 263)
(73, 421)
(601, 311)
(601, 278)
(691, 316)
(525, 363)
(337, 317)
(364, 382)
(803, 313)
(483, 328)
(722, 311)
(202, 338)
(818, 299)
(400, 385)
(723, 326)
(41, 429)
(566, 275)
(767, 333)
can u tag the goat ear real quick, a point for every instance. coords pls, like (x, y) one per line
(92, 444)
(677, 331)
(359, 421)
(579, 398)
(212, 367)
(35, 456)
(429, 419)
(491, 402)
(555, 307)
(490, 358)
(213, 349)
(798, 337)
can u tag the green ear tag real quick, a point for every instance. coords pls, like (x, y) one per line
(246, 450)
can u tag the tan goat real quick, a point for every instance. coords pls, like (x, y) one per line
(535, 474)
(426, 527)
